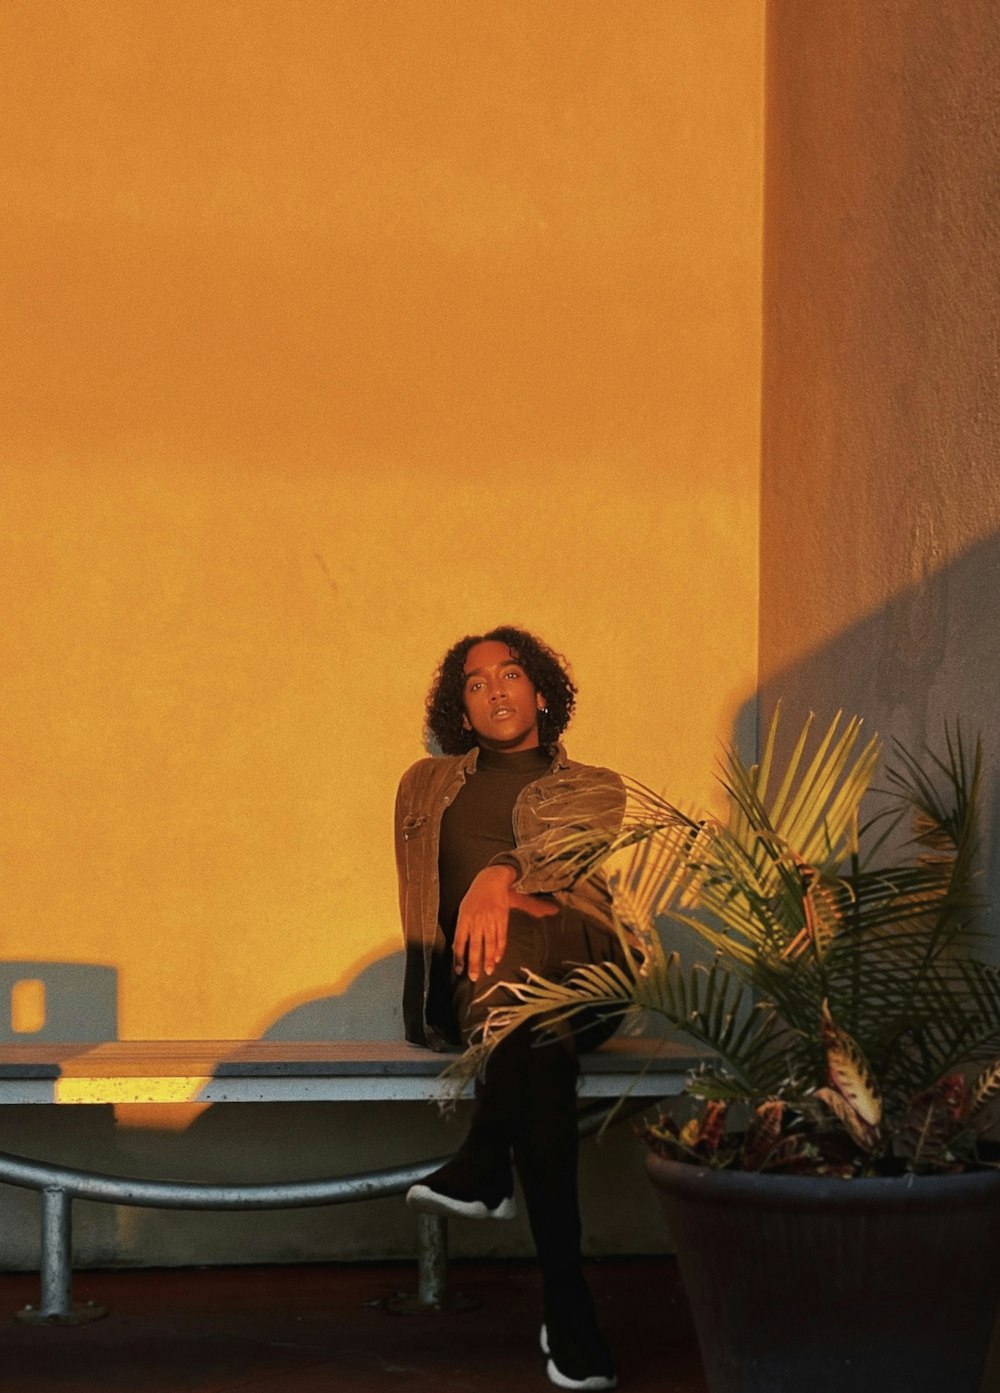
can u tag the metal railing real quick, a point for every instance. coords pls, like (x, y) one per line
(60, 1185)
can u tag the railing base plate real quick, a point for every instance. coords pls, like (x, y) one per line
(409, 1303)
(79, 1313)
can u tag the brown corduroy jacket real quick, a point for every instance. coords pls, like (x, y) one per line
(568, 797)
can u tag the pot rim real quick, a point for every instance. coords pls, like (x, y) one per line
(684, 1180)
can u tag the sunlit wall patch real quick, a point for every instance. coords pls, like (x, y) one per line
(27, 1006)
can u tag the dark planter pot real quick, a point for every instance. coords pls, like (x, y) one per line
(811, 1285)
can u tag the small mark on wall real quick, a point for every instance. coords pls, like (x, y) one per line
(320, 561)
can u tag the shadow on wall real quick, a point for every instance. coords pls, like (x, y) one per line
(370, 1009)
(47, 1001)
(928, 656)
(43, 1002)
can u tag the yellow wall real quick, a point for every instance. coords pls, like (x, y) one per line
(333, 331)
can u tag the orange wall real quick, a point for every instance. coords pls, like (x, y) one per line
(333, 331)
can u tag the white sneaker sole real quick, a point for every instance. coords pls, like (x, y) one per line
(561, 1380)
(428, 1201)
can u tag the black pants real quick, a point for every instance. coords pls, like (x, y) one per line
(526, 1100)
(552, 947)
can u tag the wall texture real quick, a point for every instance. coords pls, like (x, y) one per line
(880, 508)
(334, 331)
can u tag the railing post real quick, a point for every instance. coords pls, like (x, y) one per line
(57, 1307)
(432, 1294)
(432, 1259)
(57, 1241)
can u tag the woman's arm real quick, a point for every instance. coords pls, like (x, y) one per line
(481, 933)
(589, 802)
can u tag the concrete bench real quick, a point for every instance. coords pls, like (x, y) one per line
(178, 1071)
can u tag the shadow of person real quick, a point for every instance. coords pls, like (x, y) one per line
(274, 1142)
(370, 1009)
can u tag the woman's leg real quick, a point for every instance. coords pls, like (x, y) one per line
(478, 1181)
(546, 1152)
(526, 1101)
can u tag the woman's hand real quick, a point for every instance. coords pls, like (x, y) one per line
(481, 934)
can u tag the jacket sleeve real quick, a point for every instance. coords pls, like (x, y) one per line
(400, 843)
(569, 831)
(409, 816)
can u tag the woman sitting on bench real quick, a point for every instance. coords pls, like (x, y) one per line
(484, 897)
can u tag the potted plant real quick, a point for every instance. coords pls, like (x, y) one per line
(835, 1211)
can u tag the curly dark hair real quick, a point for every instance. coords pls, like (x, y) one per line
(547, 671)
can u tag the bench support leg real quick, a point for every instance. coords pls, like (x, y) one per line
(432, 1259)
(432, 1294)
(57, 1306)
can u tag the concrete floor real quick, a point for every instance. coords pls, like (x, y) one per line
(325, 1328)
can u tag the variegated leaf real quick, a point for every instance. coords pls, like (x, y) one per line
(984, 1090)
(764, 1132)
(848, 1071)
(713, 1126)
(768, 1119)
(951, 1091)
(690, 1133)
(861, 1132)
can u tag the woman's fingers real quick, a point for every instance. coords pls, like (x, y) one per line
(479, 944)
(458, 949)
(481, 932)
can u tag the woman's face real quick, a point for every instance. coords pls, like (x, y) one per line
(501, 702)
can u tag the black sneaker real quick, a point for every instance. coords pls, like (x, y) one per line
(455, 1192)
(579, 1360)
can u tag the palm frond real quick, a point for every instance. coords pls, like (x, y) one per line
(806, 915)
